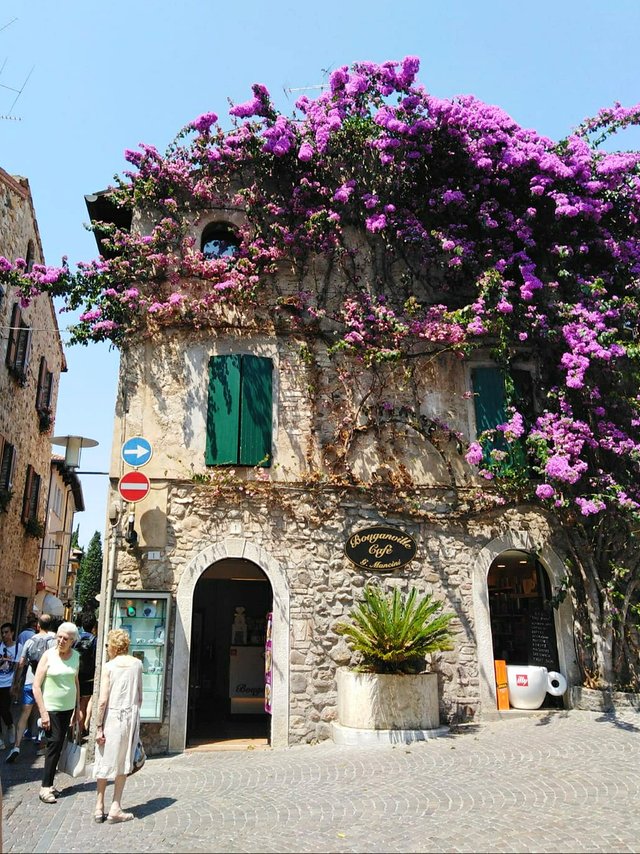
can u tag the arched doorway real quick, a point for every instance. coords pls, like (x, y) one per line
(521, 613)
(231, 602)
(554, 567)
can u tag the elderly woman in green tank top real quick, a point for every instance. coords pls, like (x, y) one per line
(57, 692)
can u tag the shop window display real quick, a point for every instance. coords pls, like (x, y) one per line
(144, 616)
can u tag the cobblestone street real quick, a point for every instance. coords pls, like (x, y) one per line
(548, 782)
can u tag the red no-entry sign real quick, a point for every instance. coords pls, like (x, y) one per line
(134, 486)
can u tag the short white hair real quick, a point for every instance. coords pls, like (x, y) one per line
(70, 629)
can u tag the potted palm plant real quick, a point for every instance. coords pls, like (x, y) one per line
(389, 687)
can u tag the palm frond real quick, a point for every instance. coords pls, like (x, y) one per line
(394, 633)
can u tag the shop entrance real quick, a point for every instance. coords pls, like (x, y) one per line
(231, 602)
(522, 614)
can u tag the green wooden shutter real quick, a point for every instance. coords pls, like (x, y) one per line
(256, 411)
(223, 411)
(488, 387)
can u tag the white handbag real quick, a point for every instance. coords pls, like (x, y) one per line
(73, 759)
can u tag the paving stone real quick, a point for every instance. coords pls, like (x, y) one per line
(547, 783)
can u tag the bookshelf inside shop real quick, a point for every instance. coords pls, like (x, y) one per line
(522, 625)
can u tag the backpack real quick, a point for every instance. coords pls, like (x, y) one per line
(86, 646)
(38, 645)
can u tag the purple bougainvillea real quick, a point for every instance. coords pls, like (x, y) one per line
(533, 243)
(537, 242)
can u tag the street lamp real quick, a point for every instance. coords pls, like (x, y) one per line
(73, 446)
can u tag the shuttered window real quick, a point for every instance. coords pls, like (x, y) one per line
(45, 386)
(489, 396)
(7, 464)
(19, 345)
(239, 411)
(31, 496)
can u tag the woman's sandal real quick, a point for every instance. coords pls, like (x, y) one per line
(116, 819)
(48, 798)
(99, 817)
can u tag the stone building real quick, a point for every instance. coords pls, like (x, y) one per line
(57, 572)
(268, 456)
(32, 361)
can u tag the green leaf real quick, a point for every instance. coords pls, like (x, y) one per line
(393, 634)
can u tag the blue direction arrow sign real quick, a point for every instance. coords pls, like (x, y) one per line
(137, 451)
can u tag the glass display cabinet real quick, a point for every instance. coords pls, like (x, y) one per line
(145, 617)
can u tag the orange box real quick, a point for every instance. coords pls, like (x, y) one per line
(502, 686)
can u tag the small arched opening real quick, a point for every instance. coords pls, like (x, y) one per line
(231, 603)
(219, 240)
(522, 614)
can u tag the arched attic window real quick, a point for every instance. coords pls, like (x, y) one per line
(219, 240)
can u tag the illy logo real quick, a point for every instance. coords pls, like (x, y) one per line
(522, 680)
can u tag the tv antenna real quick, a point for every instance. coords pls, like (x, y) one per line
(8, 116)
(288, 90)
(12, 21)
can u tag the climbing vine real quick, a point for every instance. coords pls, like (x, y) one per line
(397, 224)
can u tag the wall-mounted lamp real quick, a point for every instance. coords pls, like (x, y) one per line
(73, 446)
(131, 536)
(114, 513)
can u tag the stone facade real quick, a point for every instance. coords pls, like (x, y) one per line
(21, 425)
(56, 575)
(338, 465)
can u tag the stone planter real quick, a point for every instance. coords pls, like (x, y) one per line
(385, 707)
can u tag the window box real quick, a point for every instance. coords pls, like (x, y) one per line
(45, 419)
(34, 528)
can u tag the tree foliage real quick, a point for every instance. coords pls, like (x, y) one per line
(90, 574)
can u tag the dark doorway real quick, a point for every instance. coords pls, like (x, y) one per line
(522, 614)
(226, 676)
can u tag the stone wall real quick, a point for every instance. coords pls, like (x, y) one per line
(19, 422)
(324, 586)
(352, 447)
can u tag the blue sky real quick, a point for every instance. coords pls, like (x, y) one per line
(104, 77)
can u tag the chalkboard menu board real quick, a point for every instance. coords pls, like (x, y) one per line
(543, 650)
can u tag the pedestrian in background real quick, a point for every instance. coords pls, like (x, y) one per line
(57, 693)
(86, 646)
(29, 629)
(22, 689)
(118, 727)
(9, 656)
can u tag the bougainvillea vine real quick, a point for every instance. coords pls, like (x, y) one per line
(491, 236)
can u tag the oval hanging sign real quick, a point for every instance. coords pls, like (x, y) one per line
(380, 548)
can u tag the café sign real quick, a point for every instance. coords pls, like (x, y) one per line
(379, 548)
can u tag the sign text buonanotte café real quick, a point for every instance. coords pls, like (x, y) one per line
(380, 548)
